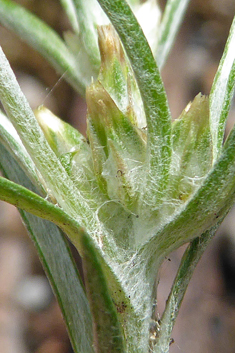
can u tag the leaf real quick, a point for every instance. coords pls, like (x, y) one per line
(58, 263)
(29, 201)
(151, 89)
(70, 9)
(89, 15)
(107, 330)
(148, 14)
(57, 180)
(45, 40)
(222, 93)
(10, 139)
(170, 23)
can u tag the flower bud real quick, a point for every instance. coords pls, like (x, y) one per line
(117, 142)
(192, 149)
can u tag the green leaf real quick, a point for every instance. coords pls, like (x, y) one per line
(148, 14)
(151, 89)
(31, 202)
(89, 15)
(57, 180)
(58, 263)
(10, 139)
(222, 93)
(45, 40)
(107, 330)
(170, 23)
(28, 201)
(70, 9)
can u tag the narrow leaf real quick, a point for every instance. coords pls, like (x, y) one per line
(222, 93)
(89, 15)
(44, 39)
(106, 327)
(171, 21)
(10, 139)
(58, 263)
(148, 14)
(150, 85)
(29, 201)
(58, 182)
(69, 8)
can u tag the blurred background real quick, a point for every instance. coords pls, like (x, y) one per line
(30, 319)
